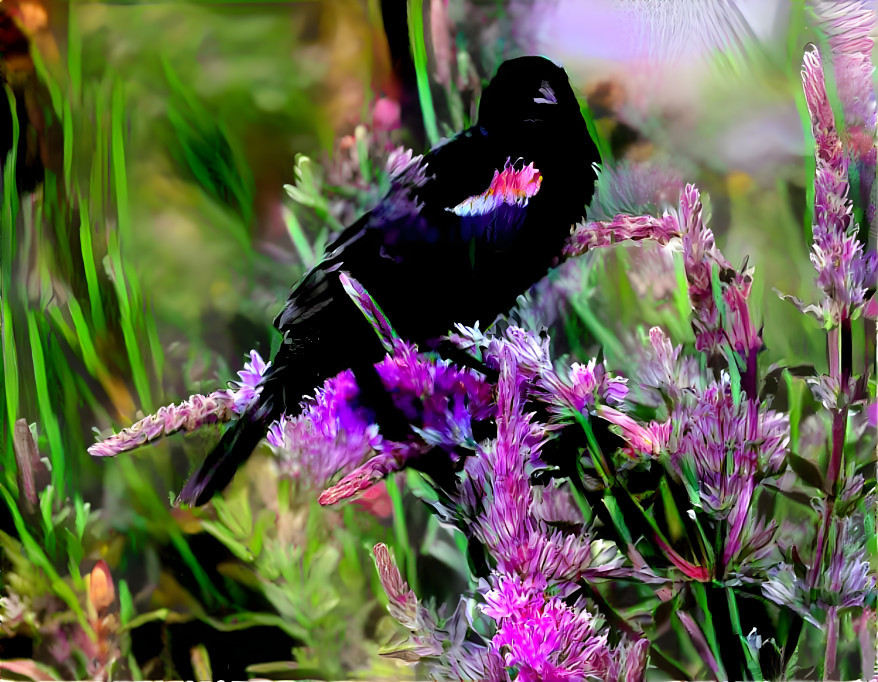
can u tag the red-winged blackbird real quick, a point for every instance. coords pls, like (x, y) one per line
(458, 237)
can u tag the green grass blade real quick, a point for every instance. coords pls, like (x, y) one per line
(7, 249)
(419, 55)
(48, 418)
(83, 335)
(403, 546)
(67, 130)
(91, 273)
(603, 144)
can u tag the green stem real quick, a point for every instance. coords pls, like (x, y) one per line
(419, 56)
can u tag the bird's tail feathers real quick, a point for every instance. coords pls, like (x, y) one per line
(235, 446)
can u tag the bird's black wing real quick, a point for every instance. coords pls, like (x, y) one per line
(410, 251)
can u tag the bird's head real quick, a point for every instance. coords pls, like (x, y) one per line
(530, 93)
(531, 112)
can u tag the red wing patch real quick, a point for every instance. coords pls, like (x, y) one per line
(511, 186)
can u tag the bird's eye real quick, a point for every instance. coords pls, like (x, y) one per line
(548, 95)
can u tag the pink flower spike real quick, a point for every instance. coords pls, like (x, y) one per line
(370, 310)
(365, 476)
(621, 229)
(648, 440)
(844, 272)
(187, 416)
(403, 605)
(245, 391)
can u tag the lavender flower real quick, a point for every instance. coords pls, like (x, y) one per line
(700, 257)
(622, 228)
(544, 638)
(403, 604)
(329, 436)
(453, 656)
(537, 633)
(649, 439)
(439, 399)
(664, 371)
(844, 271)
(578, 389)
(849, 24)
(846, 582)
(368, 474)
(246, 391)
(727, 444)
(190, 415)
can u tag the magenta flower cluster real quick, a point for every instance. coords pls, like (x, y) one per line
(536, 566)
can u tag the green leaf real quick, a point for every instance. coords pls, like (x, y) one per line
(200, 662)
(75, 552)
(708, 628)
(402, 548)
(126, 603)
(80, 519)
(144, 618)
(48, 416)
(417, 37)
(794, 495)
(247, 619)
(46, 500)
(221, 533)
(806, 470)
(297, 235)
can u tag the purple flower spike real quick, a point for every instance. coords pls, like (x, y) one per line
(440, 399)
(370, 310)
(846, 582)
(849, 24)
(544, 638)
(403, 605)
(650, 440)
(579, 390)
(621, 229)
(244, 392)
(844, 272)
(701, 256)
(219, 406)
(362, 478)
(187, 416)
(728, 444)
(665, 371)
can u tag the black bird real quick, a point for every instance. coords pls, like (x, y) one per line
(460, 234)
